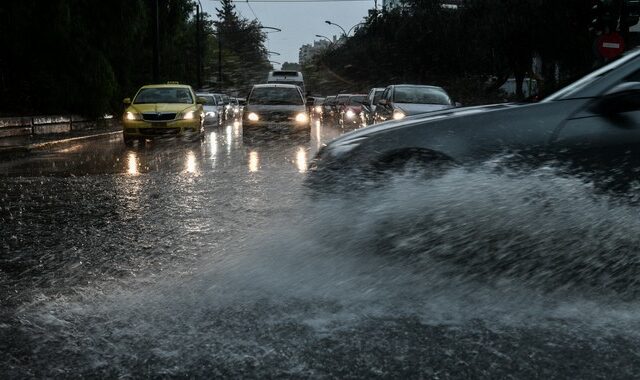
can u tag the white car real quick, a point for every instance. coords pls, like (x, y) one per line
(211, 109)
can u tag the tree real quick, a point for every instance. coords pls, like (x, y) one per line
(244, 54)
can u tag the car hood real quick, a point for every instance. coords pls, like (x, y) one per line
(414, 109)
(433, 116)
(272, 108)
(159, 107)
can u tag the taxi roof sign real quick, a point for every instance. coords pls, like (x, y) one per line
(173, 82)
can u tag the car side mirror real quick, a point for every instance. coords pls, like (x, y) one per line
(458, 104)
(126, 101)
(382, 102)
(366, 103)
(624, 97)
(201, 100)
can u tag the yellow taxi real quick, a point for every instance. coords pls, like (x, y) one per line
(163, 110)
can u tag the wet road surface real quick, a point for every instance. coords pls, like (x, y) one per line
(208, 259)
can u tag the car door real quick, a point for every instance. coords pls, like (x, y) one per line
(384, 111)
(602, 144)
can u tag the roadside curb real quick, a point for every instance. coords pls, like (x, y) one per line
(24, 149)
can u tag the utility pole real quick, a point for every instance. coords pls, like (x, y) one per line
(156, 42)
(219, 61)
(198, 49)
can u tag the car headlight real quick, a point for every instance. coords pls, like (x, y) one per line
(211, 114)
(189, 115)
(132, 116)
(253, 116)
(398, 114)
(350, 114)
(318, 109)
(340, 148)
(301, 117)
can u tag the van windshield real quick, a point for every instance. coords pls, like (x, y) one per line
(275, 96)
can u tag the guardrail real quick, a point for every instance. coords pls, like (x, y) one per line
(41, 125)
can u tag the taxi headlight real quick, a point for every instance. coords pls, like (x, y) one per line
(189, 115)
(253, 116)
(132, 116)
(398, 114)
(350, 114)
(301, 117)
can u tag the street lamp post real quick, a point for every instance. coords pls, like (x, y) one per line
(273, 53)
(344, 32)
(198, 44)
(325, 37)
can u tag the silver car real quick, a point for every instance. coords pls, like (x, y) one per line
(211, 109)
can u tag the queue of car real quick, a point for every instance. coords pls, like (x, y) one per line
(381, 104)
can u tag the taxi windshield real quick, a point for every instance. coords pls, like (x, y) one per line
(167, 95)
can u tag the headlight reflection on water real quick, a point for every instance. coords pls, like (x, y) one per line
(132, 162)
(301, 160)
(253, 162)
(192, 164)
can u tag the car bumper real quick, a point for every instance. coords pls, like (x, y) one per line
(274, 125)
(140, 128)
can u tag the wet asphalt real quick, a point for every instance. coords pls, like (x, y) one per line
(207, 259)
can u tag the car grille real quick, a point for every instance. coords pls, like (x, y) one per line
(159, 131)
(162, 116)
(280, 116)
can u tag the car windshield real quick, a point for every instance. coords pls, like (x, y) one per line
(167, 95)
(421, 95)
(356, 100)
(377, 95)
(209, 100)
(275, 96)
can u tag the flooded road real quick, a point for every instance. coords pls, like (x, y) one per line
(209, 260)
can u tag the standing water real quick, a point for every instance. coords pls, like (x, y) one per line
(472, 274)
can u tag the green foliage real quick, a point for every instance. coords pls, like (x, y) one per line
(84, 56)
(245, 59)
(424, 42)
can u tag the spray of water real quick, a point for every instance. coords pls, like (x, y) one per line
(471, 250)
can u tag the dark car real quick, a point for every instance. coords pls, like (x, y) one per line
(592, 125)
(399, 101)
(275, 106)
(351, 114)
(338, 105)
(327, 106)
(369, 105)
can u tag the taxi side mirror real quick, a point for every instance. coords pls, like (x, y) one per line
(126, 101)
(382, 102)
(622, 98)
(201, 100)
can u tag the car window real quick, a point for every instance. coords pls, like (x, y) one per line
(376, 96)
(275, 96)
(209, 100)
(356, 100)
(421, 95)
(163, 95)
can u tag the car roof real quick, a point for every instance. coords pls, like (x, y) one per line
(166, 86)
(275, 85)
(352, 95)
(418, 85)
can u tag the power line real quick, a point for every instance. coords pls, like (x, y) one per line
(252, 11)
(299, 1)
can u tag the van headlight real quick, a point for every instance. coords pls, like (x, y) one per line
(350, 114)
(253, 116)
(301, 117)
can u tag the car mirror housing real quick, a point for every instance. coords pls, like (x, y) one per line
(458, 104)
(624, 97)
(126, 101)
(382, 102)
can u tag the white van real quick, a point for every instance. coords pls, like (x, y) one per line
(286, 77)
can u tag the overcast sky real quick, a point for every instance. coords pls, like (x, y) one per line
(300, 22)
